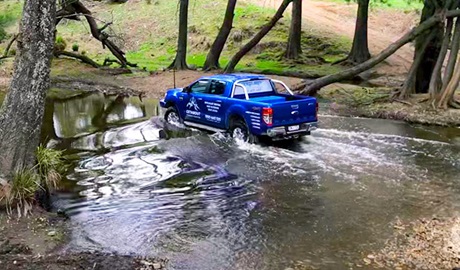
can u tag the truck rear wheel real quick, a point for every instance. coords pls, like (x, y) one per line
(240, 132)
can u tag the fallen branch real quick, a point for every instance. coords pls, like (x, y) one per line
(83, 58)
(8, 47)
(78, 9)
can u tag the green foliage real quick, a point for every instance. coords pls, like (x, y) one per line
(395, 4)
(60, 44)
(20, 192)
(50, 166)
(9, 14)
(3, 34)
(75, 47)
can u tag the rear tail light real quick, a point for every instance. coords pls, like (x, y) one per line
(267, 116)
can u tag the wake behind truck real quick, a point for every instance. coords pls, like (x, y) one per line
(245, 105)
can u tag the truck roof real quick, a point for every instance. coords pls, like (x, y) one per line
(234, 77)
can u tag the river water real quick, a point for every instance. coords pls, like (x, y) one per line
(206, 202)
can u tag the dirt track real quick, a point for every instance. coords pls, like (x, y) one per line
(385, 27)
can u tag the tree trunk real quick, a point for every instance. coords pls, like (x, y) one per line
(452, 55)
(409, 86)
(313, 87)
(436, 81)
(22, 112)
(212, 60)
(294, 48)
(430, 54)
(360, 50)
(448, 93)
(180, 61)
(257, 38)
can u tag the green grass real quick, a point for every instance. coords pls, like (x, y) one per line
(9, 13)
(148, 35)
(394, 4)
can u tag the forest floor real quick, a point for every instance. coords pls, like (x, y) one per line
(37, 242)
(386, 25)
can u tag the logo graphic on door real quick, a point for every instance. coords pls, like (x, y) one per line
(193, 104)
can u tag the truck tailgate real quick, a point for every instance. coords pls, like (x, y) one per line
(294, 111)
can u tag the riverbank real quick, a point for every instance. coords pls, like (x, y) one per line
(339, 99)
(37, 242)
(431, 243)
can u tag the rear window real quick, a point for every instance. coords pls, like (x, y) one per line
(254, 87)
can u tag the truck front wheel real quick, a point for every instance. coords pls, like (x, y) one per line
(172, 116)
(240, 132)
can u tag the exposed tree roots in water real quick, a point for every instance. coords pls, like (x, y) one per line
(423, 244)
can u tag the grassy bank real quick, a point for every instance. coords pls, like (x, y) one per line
(390, 4)
(147, 31)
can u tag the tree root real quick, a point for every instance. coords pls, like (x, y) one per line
(454, 104)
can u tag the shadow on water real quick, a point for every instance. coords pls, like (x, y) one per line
(208, 203)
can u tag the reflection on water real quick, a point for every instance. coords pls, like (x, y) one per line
(207, 203)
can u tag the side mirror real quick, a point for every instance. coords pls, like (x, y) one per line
(186, 89)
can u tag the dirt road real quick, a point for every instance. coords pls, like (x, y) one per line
(385, 27)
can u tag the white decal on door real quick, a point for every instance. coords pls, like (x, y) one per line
(192, 104)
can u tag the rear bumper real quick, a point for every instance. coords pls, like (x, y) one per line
(283, 131)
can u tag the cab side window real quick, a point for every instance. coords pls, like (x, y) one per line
(200, 86)
(216, 88)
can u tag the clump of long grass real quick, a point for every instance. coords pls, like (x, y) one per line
(19, 193)
(50, 166)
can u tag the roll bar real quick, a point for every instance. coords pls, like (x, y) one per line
(246, 95)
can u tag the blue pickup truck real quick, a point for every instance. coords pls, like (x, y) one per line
(247, 106)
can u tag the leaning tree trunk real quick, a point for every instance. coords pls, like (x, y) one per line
(436, 80)
(294, 48)
(409, 86)
(180, 62)
(212, 60)
(22, 111)
(448, 93)
(430, 54)
(360, 48)
(313, 87)
(257, 38)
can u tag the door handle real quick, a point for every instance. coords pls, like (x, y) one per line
(219, 101)
(200, 98)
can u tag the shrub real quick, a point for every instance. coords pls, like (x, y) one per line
(60, 44)
(75, 47)
(50, 166)
(20, 192)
